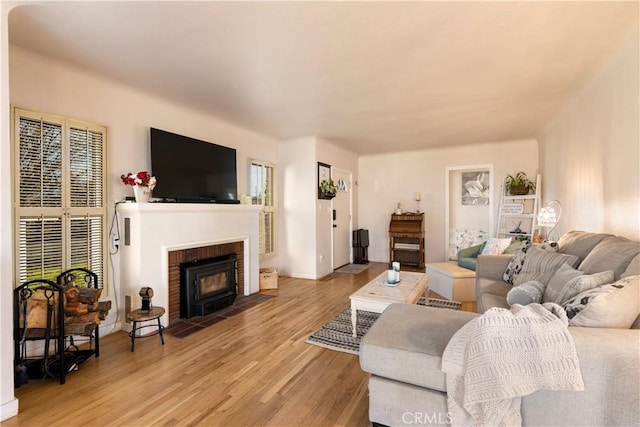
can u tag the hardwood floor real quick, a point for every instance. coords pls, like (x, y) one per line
(253, 368)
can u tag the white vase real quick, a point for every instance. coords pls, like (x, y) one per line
(142, 193)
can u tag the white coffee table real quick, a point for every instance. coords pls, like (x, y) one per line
(377, 295)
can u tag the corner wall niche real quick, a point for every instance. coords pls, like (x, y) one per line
(157, 235)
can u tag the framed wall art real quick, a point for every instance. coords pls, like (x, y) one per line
(475, 188)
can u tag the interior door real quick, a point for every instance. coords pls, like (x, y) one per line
(341, 218)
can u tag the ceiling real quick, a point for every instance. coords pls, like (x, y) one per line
(374, 77)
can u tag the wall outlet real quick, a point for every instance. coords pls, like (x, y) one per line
(114, 242)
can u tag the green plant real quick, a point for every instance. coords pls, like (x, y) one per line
(328, 186)
(519, 184)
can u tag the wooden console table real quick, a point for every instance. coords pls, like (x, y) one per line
(406, 239)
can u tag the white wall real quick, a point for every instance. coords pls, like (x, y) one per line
(386, 179)
(590, 154)
(8, 402)
(297, 209)
(44, 84)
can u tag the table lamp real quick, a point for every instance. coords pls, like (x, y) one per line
(548, 217)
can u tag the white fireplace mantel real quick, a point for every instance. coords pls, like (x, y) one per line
(151, 230)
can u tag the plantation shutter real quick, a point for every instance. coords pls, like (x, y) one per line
(262, 192)
(60, 194)
(40, 163)
(40, 248)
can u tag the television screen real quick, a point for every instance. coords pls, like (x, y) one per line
(190, 170)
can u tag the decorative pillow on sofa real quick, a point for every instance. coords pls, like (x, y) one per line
(526, 293)
(515, 265)
(540, 265)
(615, 305)
(513, 247)
(634, 267)
(568, 282)
(495, 246)
(612, 253)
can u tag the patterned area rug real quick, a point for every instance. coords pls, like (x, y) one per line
(352, 268)
(337, 334)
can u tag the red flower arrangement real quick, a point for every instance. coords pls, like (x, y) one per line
(142, 178)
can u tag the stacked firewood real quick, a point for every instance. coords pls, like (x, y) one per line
(83, 310)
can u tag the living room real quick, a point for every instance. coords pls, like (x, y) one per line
(587, 153)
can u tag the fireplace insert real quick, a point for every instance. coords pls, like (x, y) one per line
(207, 285)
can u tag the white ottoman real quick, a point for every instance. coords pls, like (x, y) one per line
(452, 281)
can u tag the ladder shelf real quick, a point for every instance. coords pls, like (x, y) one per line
(517, 213)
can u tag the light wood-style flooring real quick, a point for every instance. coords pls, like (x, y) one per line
(251, 369)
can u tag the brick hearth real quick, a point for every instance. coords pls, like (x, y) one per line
(194, 254)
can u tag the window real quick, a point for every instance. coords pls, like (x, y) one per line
(262, 192)
(59, 195)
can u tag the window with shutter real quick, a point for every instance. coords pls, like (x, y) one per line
(262, 192)
(60, 193)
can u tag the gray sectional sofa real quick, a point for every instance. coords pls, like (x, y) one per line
(403, 350)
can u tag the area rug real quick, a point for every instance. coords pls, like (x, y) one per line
(338, 333)
(352, 268)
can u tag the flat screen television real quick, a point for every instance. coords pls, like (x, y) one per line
(189, 170)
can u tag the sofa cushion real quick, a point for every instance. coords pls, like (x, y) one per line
(495, 246)
(612, 253)
(494, 287)
(515, 264)
(568, 282)
(407, 341)
(579, 243)
(526, 293)
(487, 301)
(540, 265)
(614, 305)
(634, 267)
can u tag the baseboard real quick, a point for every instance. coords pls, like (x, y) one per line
(9, 409)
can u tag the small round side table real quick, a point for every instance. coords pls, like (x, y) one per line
(137, 316)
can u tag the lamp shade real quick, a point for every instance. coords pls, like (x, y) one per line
(547, 217)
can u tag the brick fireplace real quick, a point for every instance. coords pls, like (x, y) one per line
(177, 257)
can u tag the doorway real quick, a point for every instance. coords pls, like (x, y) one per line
(342, 218)
(468, 207)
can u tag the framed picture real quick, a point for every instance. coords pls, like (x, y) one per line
(475, 188)
(324, 174)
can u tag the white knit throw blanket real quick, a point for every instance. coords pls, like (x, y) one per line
(497, 358)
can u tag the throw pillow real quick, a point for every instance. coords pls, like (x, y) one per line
(612, 253)
(633, 268)
(513, 247)
(495, 246)
(583, 283)
(615, 305)
(540, 265)
(515, 264)
(563, 275)
(526, 293)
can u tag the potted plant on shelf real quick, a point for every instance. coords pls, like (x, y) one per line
(519, 185)
(328, 189)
